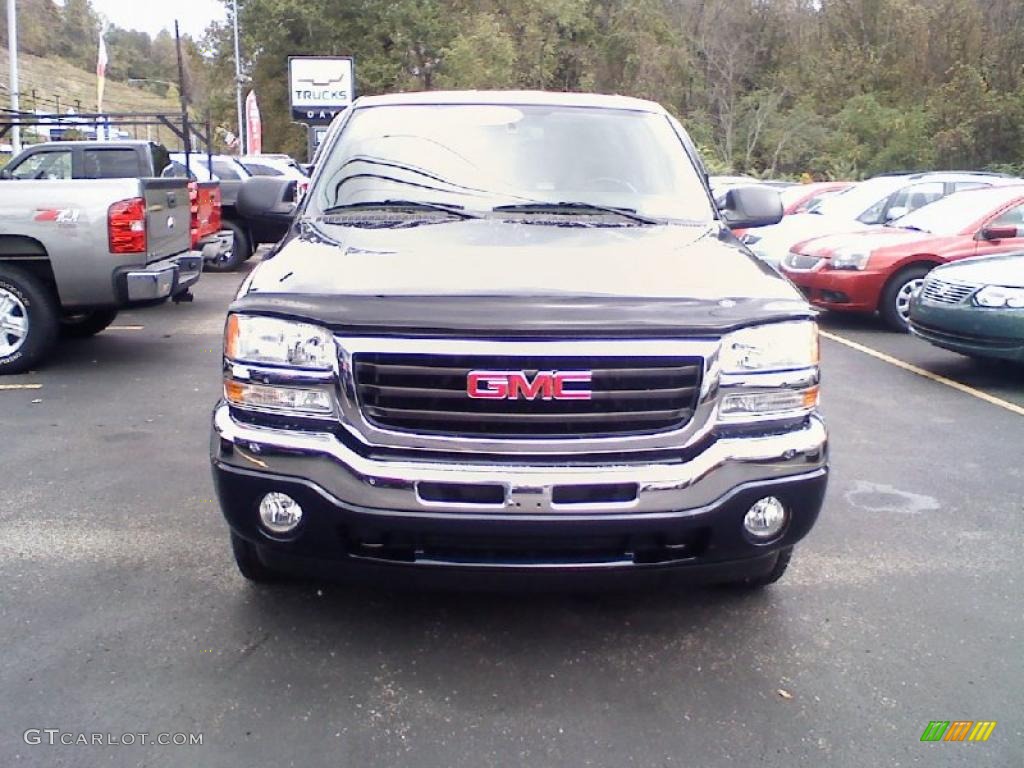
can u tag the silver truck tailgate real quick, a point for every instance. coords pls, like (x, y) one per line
(168, 217)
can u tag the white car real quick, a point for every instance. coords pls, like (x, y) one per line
(272, 165)
(280, 166)
(869, 203)
(225, 167)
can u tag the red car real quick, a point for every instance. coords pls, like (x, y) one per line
(878, 270)
(802, 197)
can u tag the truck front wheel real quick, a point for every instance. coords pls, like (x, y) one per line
(28, 320)
(86, 324)
(765, 579)
(249, 564)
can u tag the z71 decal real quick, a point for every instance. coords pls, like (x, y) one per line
(58, 215)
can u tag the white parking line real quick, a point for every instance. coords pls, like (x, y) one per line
(991, 399)
(125, 327)
(20, 386)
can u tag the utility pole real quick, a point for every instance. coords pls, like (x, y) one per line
(186, 127)
(12, 51)
(238, 82)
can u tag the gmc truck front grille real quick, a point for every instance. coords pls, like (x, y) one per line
(427, 394)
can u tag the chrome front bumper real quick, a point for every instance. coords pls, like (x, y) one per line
(667, 487)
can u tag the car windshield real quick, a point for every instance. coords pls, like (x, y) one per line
(956, 213)
(480, 157)
(851, 203)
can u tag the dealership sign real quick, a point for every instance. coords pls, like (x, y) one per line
(320, 87)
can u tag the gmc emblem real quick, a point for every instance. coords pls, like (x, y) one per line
(511, 385)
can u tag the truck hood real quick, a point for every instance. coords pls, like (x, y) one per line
(1006, 269)
(487, 276)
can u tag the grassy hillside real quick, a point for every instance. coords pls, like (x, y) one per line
(54, 78)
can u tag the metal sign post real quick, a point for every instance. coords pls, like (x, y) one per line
(316, 135)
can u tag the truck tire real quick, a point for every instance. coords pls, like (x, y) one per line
(28, 320)
(86, 324)
(249, 564)
(240, 251)
(772, 576)
(895, 304)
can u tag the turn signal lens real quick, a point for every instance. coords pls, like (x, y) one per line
(743, 405)
(264, 396)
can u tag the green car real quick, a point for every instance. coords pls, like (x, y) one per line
(974, 307)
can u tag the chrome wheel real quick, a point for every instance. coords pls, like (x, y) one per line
(13, 323)
(903, 296)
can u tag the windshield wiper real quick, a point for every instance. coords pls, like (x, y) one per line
(409, 205)
(572, 207)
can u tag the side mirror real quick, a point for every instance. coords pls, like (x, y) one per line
(896, 212)
(747, 207)
(998, 233)
(266, 197)
(6, 174)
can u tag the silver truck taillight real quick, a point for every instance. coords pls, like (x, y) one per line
(126, 226)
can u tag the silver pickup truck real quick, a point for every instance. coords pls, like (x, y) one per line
(72, 253)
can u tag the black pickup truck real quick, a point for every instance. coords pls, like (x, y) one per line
(511, 335)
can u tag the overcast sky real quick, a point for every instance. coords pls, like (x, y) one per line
(153, 15)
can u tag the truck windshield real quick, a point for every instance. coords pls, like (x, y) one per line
(482, 157)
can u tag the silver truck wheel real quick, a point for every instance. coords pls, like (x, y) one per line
(28, 320)
(13, 323)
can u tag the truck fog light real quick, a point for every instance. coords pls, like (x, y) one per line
(280, 513)
(766, 519)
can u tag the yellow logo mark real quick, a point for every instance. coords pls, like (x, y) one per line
(982, 730)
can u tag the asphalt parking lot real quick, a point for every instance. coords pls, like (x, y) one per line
(122, 610)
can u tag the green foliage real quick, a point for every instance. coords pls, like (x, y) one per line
(834, 88)
(768, 87)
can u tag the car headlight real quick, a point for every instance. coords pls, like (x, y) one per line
(271, 341)
(850, 259)
(774, 347)
(998, 297)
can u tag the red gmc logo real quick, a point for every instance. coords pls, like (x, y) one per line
(511, 385)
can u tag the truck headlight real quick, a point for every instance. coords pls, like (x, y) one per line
(850, 259)
(774, 347)
(998, 297)
(769, 372)
(271, 341)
